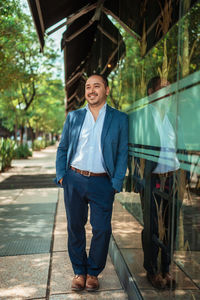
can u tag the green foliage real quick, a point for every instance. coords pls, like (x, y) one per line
(49, 143)
(41, 144)
(38, 145)
(48, 113)
(26, 75)
(6, 153)
(11, 29)
(22, 151)
(129, 81)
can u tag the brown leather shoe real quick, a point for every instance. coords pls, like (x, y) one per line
(157, 281)
(78, 283)
(170, 281)
(92, 283)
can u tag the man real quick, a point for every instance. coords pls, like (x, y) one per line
(91, 163)
(156, 191)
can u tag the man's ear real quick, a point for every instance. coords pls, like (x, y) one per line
(107, 90)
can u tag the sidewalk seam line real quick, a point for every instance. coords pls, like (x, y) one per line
(51, 252)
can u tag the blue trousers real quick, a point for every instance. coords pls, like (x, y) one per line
(79, 193)
(151, 252)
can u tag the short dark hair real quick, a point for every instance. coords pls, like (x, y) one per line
(152, 84)
(104, 78)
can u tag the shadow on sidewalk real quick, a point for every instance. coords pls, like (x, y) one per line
(28, 181)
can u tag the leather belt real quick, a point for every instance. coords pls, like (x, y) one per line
(87, 173)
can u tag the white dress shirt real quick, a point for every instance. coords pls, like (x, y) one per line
(88, 156)
(167, 160)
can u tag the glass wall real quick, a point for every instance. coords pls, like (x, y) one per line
(160, 93)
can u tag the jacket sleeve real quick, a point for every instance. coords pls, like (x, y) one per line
(61, 156)
(122, 155)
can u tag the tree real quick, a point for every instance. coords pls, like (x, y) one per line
(47, 114)
(11, 31)
(22, 67)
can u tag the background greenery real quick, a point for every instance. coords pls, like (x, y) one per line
(31, 89)
(129, 81)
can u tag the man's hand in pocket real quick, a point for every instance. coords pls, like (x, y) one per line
(60, 181)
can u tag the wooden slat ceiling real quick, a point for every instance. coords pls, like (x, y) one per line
(91, 42)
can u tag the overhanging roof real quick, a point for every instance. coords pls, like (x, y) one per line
(91, 42)
(83, 53)
(48, 13)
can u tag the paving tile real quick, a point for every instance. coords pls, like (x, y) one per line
(25, 246)
(127, 233)
(28, 181)
(41, 208)
(24, 276)
(117, 205)
(62, 274)
(45, 195)
(61, 223)
(26, 226)
(28, 196)
(189, 262)
(125, 240)
(124, 217)
(126, 229)
(9, 196)
(134, 261)
(61, 205)
(166, 295)
(107, 295)
(60, 233)
(11, 193)
(131, 204)
(60, 243)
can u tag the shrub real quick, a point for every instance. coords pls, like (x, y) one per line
(38, 144)
(52, 142)
(6, 153)
(22, 151)
(49, 143)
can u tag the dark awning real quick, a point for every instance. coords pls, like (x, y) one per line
(48, 13)
(91, 42)
(83, 53)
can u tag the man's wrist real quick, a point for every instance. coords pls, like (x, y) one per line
(60, 181)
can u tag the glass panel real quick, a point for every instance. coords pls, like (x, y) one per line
(160, 94)
(187, 254)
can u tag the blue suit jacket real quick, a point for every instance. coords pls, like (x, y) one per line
(114, 143)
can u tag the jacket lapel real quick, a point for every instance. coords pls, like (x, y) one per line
(106, 125)
(78, 125)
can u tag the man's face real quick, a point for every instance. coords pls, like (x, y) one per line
(95, 91)
(160, 84)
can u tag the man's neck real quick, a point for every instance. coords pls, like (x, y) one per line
(95, 110)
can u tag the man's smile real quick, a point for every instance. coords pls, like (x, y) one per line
(92, 96)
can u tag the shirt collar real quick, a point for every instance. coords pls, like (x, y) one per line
(101, 110)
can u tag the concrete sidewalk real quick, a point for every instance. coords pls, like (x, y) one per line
(34, 261)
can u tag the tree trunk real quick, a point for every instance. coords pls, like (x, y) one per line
(32, 135)
(21, 134)
(52, 137)
(15, 132)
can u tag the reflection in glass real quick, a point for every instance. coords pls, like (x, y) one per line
(164, 146)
